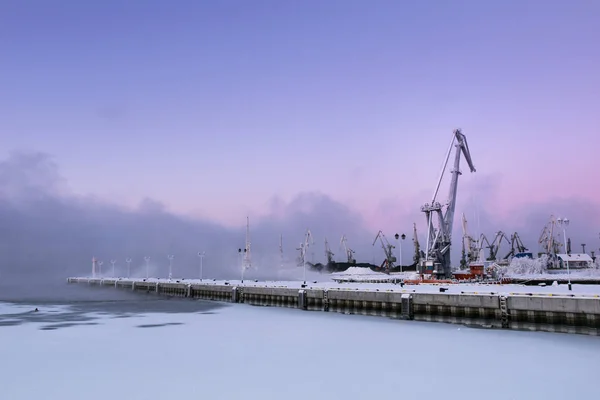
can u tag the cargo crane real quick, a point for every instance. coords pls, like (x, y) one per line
(494, 247)
(517, 248)
(308, 241)
(328, 253)
(480, 245)
(389, 261)
(418, 252)
(550, 244)
(471, 246)
(348, 251)
(437, 254)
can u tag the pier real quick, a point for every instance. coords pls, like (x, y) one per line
(548, 312)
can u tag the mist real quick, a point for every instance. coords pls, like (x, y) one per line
(47, 233)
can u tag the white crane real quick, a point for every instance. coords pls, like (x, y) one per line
(308, 241)
(348, 251)
(437, 253)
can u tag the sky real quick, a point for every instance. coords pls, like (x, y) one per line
(214, 111)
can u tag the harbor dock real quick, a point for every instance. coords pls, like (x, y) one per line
(535, 311)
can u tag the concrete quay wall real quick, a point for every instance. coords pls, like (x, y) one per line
(550, 313)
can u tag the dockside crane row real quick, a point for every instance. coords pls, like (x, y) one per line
(437, 255)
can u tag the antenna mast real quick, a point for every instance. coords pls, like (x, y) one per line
(281, 249)
(247, 258)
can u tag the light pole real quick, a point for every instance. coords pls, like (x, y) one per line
(128, 261)
(100, 267)
(397, 236)
(241, 263)
(147, 258)
(201, 255)
(564, 222)
(113, 267)
(170, 257)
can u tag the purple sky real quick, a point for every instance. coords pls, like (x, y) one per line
(214, 107)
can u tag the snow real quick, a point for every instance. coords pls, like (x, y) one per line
(358, 271)
(528, 268)
(591, 290)
(357, 274)
(272, 353)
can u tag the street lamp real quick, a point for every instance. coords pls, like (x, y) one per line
(397, 236)
(564, 222)
(128, 261)
(201, 255)
(170, 257)
(113, 267)
(147, 258)
(241, 261)
(100, 267)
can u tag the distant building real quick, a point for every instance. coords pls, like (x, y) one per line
(576, 261)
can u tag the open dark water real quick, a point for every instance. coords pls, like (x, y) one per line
(83, 305)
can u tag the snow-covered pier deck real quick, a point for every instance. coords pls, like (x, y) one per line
(550, 309)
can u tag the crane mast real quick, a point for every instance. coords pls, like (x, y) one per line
(439, 239)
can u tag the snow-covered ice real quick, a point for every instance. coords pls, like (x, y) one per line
(239, 351)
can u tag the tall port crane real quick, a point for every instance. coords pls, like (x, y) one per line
(347, 250)
(328, 253)
(389, 261)
(437, 254)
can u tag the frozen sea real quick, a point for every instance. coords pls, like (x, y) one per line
(102, 343)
